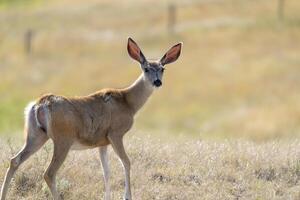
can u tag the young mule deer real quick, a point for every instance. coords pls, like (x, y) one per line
(96, 120)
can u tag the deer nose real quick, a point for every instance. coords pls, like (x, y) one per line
(157, 83)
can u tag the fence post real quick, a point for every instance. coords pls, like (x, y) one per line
(28, 37)
(280, 9)
(171, 18)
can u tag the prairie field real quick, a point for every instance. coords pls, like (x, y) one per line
(224, 125)
(174, 169)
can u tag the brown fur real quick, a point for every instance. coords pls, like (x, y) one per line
(88, 119)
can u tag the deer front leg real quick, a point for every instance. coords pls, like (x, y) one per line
(117, 144)
(61, 150)
(106, 171)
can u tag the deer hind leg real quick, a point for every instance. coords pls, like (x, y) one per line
(117, 144)
(106, 171)
(61, 149)
(35, 140)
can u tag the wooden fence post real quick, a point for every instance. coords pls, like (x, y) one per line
(28, 37)
(280, 9)
(171, 18)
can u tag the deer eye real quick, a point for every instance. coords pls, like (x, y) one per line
(146, 70)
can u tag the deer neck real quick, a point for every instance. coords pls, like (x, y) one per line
(138, 93)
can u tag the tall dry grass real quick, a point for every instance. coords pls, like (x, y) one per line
(169, 170)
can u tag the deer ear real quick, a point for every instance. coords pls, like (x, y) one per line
(134, 51)
(172, 54)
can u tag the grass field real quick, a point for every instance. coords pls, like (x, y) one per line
(225, 124)
(200, 170)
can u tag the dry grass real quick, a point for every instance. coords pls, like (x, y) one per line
(169, 170)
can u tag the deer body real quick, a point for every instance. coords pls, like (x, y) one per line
(90, 119)
(96, 120)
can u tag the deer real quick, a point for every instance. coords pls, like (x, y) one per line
(94, 121)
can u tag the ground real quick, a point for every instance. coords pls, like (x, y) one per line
(164, 169)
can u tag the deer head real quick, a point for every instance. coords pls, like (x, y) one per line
(153, 71)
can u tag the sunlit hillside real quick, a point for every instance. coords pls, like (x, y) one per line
(238, 75)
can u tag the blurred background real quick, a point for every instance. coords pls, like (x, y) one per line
(238, 75)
